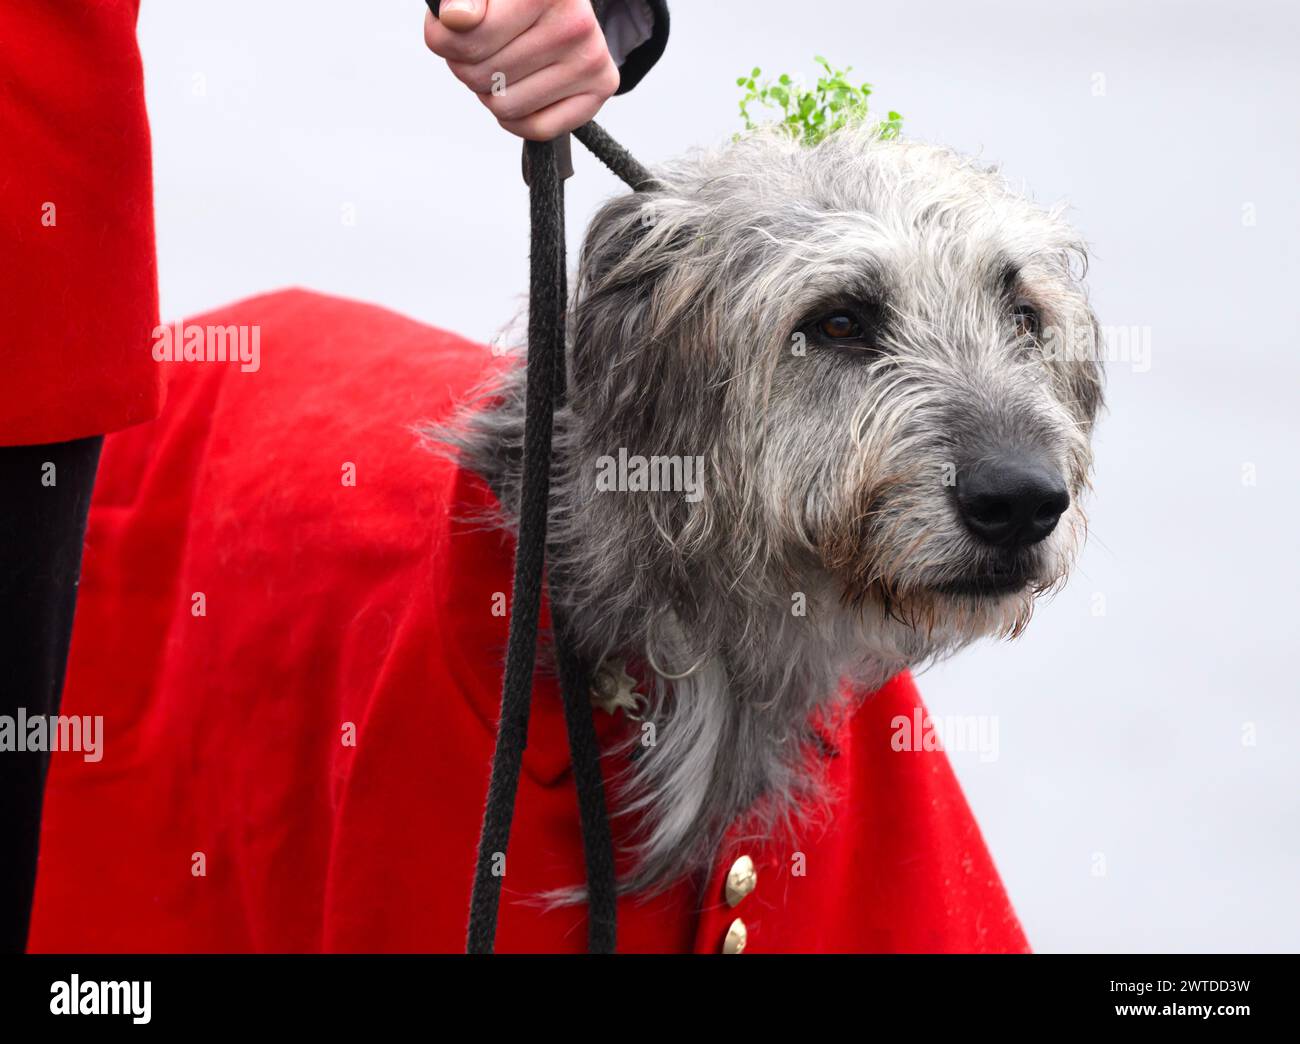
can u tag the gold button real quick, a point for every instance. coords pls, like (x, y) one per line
(736, 938)
(741, 880)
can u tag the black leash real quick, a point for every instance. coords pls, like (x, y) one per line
(546, 164)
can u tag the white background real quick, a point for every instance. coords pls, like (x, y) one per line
(1121, 733)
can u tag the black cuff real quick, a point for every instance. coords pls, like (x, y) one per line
(641, 58)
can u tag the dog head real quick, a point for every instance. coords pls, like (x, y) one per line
(853, 388)
(884, 357)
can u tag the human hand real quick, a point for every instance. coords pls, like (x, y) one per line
(541, 67)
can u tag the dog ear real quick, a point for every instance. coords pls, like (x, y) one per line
(640, 281)
(1083, 375)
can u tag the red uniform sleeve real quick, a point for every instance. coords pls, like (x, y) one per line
(78, 288)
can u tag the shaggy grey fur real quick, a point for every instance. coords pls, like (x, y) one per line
(814, 563)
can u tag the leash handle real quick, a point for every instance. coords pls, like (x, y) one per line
(546, 166)
(544, 388)
(545, 349)
(562, 153)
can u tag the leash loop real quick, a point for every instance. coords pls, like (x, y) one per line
(546, 375)
(545, 167)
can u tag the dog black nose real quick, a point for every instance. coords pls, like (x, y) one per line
(1011, 500)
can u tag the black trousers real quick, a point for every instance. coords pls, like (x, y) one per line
(44, 498)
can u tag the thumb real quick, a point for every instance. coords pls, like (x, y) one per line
(460, 16)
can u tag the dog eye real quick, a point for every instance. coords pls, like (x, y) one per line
(839, 326)
(1027, 320)
(852, 328)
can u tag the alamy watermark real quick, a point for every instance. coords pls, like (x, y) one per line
(1129, 345)
(972, 733)
(73, 996)
(634, 473)
(82, 733)
(190, 342)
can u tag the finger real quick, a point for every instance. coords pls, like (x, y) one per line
(590, 73)
(556, 119)
(520, 58)
(460, 16)
(498, 28)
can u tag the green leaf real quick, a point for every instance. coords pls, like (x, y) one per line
(809, 114)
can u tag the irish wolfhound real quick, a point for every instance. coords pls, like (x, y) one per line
(885, 360)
